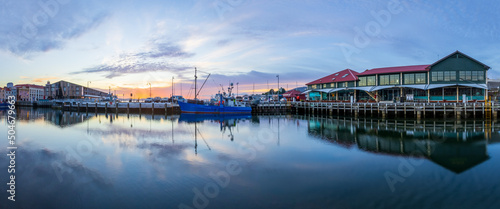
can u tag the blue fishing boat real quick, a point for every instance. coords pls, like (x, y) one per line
(226, 103)
(4, 106)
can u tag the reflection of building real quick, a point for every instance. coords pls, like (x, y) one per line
(453, 78)
(457, 150)
(67, 90)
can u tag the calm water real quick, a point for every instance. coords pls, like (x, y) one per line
(97, 161)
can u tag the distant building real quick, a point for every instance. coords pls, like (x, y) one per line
(8, 91)
(2, 94)
(68, 90)
(29, 92)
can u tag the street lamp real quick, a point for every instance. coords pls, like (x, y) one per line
(149, 89)
(278, 76)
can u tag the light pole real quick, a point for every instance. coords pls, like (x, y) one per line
(149, 89)
(237, 88)
(278, 76)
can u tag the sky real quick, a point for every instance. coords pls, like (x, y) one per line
(127, 45)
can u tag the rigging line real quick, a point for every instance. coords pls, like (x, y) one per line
(202, 85)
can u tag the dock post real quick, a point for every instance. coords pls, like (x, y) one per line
(404, 109)
(140, 107)
(165, 109)
(78, 110)
(87, 108)
(474, 109)
(458, 113)
(455, 109)
(434, 111)
(425, 104)
(128, 109)
(116, 108)
(419, 115)
(106, 108)
(96, 108)
(444, 110)
(70, 106)
(153, 109)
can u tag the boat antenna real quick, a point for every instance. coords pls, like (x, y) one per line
(195, 77)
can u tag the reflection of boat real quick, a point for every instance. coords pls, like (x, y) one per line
(226, 104)
(226, 121)
(193, 118)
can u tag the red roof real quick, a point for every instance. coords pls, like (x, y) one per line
(292, 93)
(400, 69)
(30, 86)
(342, 76)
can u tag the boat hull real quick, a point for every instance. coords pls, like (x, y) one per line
(4, 106)
(212, 109)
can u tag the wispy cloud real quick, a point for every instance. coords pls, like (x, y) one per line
(168, 50)
(148, 59)
(30, 27)
(123, 69)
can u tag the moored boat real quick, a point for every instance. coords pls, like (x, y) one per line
(4, 106)
(226, 104)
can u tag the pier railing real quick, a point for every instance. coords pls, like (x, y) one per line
(406, 109)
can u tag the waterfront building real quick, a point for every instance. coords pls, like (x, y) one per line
(295, 94)
(456, 77)
(338, 86)
(6, 93)
(67, 90)
(2, 94)
(30, 92)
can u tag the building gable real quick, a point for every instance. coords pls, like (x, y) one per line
(458, 61)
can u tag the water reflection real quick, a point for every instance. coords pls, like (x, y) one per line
(144, 161)
(450, 144)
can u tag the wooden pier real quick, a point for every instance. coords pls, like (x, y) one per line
(399, 110)
(123, 108)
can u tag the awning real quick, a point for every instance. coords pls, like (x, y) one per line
(434, 86)
(305, 92)
(422, 86)
(323, 90)
(364, 88)
(382, 87)
(481, 86)
(337, 89)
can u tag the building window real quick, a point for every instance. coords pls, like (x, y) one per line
(367, 81)
(420, 78)
(388, 80)
(450, 75)
(341, 85)
(471, 76)
(409, 79)
(437, 76)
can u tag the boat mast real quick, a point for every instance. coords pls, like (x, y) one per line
(195, 77)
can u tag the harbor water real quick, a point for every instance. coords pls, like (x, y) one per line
(78, 160)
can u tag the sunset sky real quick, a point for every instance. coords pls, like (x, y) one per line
(127, 44)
